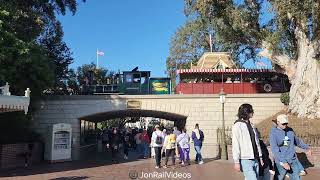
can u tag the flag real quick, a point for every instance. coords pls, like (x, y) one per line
(100, 53)
(260, 64)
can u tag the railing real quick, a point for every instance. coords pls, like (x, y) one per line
(215, 88)
(100, 89)
(310, 139)
(5, 90)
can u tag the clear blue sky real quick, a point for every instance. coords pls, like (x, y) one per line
(130, 33)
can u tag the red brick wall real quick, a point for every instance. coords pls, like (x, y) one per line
(314, 159)
(11, 154)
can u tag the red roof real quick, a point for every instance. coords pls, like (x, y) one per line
(212, 71)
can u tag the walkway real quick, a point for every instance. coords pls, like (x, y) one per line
(213, 170)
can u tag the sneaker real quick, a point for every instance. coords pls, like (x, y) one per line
(165, 166)
(157, 167)
(287, 176)
(272, 172)
(303, 173)
(201, 162)
(182, 163)
(125, 157)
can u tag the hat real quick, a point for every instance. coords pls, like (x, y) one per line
(282, 118)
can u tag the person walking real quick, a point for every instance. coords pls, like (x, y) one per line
(169, 146)
(178, 150)
(145, 141)
(126, 143)
(283, 141)
(246, 149)
(176, 131)
(105, 138)
(198, 137)
(153, 154)
(114, 143)
(184, 143)
(164, 132)
(157, 140)
(138, 143)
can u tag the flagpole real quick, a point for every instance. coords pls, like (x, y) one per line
(97, 65)
(210, 40)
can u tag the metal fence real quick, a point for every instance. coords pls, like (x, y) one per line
(311, 139)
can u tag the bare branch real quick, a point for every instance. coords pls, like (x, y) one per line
(287, 65)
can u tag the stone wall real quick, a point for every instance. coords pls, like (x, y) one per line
(202, 109)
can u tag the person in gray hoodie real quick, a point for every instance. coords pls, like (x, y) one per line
(283, 141)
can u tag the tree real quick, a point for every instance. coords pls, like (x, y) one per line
(187, 46)
(99, 76)
(32, 52)
(285, 32)
(118, 122)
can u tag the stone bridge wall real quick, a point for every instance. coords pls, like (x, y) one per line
(202, 109)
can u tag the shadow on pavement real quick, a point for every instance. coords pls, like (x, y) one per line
(71, 178)
(91, 161)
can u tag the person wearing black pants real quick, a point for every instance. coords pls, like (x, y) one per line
(157, 151)
(157, 143)
(170, 145)
(170, 153)
(114, 145)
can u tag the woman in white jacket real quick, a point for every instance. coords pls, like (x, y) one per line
(246, 149)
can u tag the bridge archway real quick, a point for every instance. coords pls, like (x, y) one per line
(100, 117)
(179, 121)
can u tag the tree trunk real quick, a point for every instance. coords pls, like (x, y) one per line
(305, 89)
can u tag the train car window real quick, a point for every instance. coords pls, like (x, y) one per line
(136, 78)
(129, 78)
(143, 80)
(99, 89)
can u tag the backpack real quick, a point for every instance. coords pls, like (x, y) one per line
(159, 139)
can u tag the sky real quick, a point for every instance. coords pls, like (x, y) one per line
(130, 33)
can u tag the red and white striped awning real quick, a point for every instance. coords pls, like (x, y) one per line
(189, 71)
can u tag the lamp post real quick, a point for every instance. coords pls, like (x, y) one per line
(224, 155)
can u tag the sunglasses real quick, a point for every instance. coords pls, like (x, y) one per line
(284, 124)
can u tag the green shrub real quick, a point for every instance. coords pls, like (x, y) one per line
(285, 98)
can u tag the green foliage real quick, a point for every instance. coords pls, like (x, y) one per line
(285, 98)
(14, 128)
(32, 52)
(117, 123)
(241, 27)
(99, 75)
(32, 55)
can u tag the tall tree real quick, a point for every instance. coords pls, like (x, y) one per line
(285, 32)
(32, 53)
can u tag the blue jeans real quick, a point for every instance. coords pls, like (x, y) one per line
(293, 173)
(250, 169)
(145, 149)
(198, 153)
